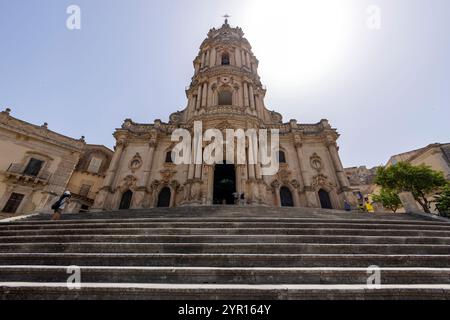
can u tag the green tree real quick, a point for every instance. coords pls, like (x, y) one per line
(421, 181)
(443, 201)
(389, 199)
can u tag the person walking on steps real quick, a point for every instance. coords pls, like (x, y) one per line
(59, 206)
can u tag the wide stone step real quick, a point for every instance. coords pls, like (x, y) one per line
(225, 260)
(290, 239)
(223, 248)
(40, 291)
(176, 275)
(227, 231)
(225, 225)
(205, 218)
(233, 211)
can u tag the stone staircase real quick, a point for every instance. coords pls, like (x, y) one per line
(226, 253)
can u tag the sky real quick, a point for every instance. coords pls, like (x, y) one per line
(385, 88)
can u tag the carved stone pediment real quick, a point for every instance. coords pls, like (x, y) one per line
(155, 185)
(275, 184)
(284, 175)
(129, 182)
(167, 175)
(224, 125)
(320, 181)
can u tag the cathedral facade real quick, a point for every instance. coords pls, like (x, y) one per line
(225, 93)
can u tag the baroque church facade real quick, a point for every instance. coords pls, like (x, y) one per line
(225, 93)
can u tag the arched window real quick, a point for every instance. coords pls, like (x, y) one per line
(164, 198)
(286, 197)
(281, 157)
(225, 59)
(125, 202)
(225, 98)
(169, 157)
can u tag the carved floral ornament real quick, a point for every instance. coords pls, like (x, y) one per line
(316, 162)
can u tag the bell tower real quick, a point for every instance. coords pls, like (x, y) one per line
(226, 76)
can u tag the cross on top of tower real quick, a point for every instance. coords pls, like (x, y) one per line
(226, 16)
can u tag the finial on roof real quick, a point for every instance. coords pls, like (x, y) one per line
(226, 19)
(7, 111)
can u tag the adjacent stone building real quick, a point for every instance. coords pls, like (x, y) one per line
(436, 155)
(361, 181)
(35, 165)
(88, 177)
(225, 93)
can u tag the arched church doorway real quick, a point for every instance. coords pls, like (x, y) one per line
(164, 198)
(224, 184)
(286, 197)
(325, 200)
(125, 202)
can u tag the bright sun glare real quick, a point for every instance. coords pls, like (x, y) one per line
(298, 42)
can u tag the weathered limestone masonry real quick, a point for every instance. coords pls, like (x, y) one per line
(35, 165)
(225, 93)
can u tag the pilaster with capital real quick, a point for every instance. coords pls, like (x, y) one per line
(304, 173)
(337, 164)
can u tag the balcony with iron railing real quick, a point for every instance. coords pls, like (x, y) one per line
(17, 171)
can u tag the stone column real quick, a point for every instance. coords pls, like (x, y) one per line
(141, 192)
(114, 164)
(252, 97)
(276, 188)
(304, 174)
(199, 97)
(102, 197)
(148, 164)
(258, 106)
(238, 57)
(246, 100)
(338, 167)
(204, 94)
(243, 58)
(240, 94)
(251, 167)
(212, 59)
(239, 186)
(203, 59)
(198, 171)
(210, 184)
(207, 59)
